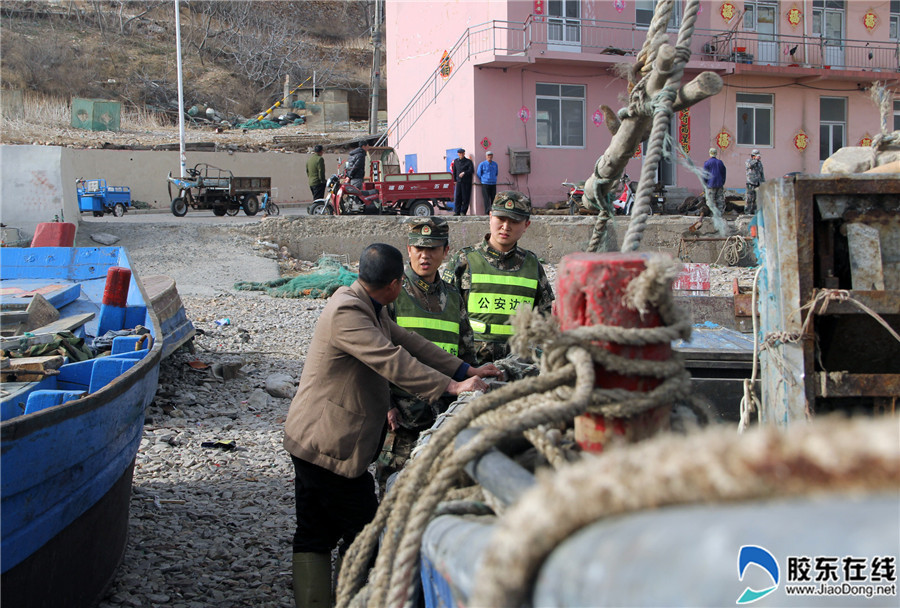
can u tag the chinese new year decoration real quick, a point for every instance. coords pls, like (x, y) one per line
(866, 141)
(485, 143)
(539, 7)
(597, 118)
(794, 16)
(446, 65)
(723, 139)
(870, 20)
(637, 153)
(524, 114)
(728, 11)
(619, 5)
(801, 141)
(684, 130)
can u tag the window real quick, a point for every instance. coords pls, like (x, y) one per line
(644, 10)
(895, 20)
(564, 23)
(754, 119)
(757, 11)
(560, 115)
(832, 125)
(820, 8)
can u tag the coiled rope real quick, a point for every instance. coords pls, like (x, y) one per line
(564, 389)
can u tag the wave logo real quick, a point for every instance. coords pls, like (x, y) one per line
(750, 555)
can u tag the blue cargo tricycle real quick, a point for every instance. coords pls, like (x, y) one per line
(95, 196)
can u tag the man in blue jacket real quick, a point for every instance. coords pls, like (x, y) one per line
(487, 175)
(715, 181)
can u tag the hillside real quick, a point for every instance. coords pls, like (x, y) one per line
(236, 54)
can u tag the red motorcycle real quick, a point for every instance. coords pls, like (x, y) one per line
(622, 204)
(342, 198)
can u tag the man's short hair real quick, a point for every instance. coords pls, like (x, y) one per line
(318, 148)
(380, 264)
(713, 152)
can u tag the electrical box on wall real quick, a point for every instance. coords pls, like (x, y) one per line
(519, 161)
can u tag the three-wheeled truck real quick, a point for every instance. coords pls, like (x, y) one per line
(208, 187)
(95, 196)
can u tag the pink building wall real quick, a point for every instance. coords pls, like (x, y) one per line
(489, 84)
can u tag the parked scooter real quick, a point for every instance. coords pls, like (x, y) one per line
(342, 198)
(622, 204)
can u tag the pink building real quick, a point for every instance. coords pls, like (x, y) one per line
(525, 79)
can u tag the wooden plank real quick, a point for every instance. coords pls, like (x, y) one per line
(65, 324)
(39, 366)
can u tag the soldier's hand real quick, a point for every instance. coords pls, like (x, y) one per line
(488, 370)
(393, 418)
(468, 385)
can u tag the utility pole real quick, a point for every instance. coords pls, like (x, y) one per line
(376, 69)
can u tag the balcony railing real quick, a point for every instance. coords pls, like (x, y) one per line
(614, 38)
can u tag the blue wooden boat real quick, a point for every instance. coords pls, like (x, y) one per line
(175, 327)
(68, 441)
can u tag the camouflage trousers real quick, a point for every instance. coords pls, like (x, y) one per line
(715, 196)
(750, 207)
(398, 446)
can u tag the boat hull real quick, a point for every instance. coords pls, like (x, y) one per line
(65, 470)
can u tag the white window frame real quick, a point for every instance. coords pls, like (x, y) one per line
(830, 124)
(674, 20)
(559, 99)
(566, 24)
(818, 13)
(753, 106)
(894, 24)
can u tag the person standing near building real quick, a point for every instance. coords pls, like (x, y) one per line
(433, 309)
(315, 172)
(337, 419)
(715, 181)
(487, 175)
(463, 171)
(755, 176)
(497, 276)
(356, 166)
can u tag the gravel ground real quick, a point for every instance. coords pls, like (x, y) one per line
(211, 526)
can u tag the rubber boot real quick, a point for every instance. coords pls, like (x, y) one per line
(312, 580)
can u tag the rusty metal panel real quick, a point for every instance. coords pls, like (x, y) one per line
(839, 384)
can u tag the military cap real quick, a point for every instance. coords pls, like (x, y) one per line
(754, 152)
(428, 232)
(461, 151)
(512, 204)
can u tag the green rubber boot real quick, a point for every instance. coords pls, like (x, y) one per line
(312, 580)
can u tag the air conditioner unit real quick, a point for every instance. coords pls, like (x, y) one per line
(519, 161)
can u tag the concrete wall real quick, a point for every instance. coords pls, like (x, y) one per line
(35, 187)
(549, 237)
(145, 171)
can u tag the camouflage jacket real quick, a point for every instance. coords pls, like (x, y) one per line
(416, 414)
(755, 174)
(458, 274)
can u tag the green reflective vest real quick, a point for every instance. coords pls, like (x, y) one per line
(497, 294)
(440, 328)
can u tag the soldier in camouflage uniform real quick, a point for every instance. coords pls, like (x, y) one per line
(435, 310)
(755, 177)
(506, 277)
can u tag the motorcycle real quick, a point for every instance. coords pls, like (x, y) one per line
(342, 198)
(622, 204)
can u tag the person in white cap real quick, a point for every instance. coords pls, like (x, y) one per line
(487, 175)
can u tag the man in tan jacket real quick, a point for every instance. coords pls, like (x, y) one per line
(337, 419)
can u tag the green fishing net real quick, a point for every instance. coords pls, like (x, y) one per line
(259, 124)
(320, 283)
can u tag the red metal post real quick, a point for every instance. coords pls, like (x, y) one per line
(592, 292)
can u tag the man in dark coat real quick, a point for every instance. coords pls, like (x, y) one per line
(463, 171)
(356, 166)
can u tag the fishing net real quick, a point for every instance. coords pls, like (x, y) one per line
(259, 124)
(320, 283)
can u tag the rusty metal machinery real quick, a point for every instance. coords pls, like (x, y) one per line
(829, 295)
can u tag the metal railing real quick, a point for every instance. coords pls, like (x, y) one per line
(594, 37)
